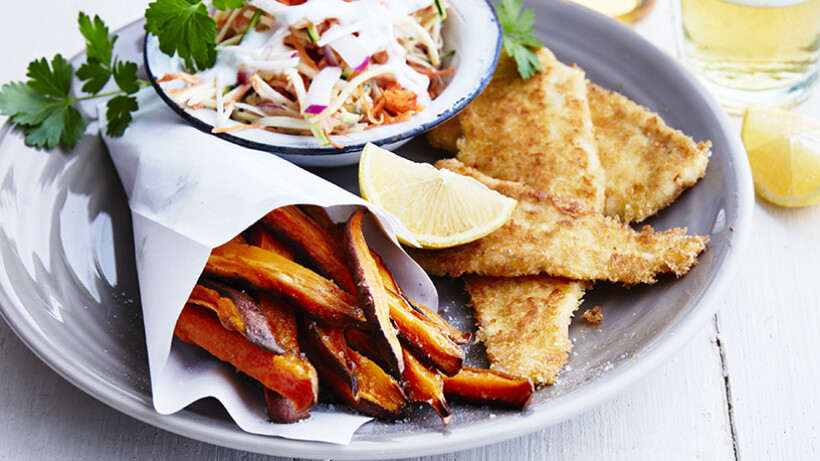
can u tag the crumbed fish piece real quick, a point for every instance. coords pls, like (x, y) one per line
(563, 238)
(647, 163)
(445, 136)
(537, 131)
(524, 322)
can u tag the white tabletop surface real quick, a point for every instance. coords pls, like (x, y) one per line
(743, 388)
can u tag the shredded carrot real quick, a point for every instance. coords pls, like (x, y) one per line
(234, 128)
(301, 50)
(432, 72)
(184, 76)
(332, 143)
(398, 100)
(236, 93)
(377, 108)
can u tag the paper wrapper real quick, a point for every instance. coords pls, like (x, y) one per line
(189, 192)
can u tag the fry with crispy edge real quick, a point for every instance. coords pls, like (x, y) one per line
(420, 382)
(375, 393)
(265, 270)
(236, 311)
(311, 238)
(282, 319)
(261, 236)
(432, 343)
(379, 394)
(330, 346)
(425, 385)
(372, 295)
(489, 387)
(291, 376)
(458, 336)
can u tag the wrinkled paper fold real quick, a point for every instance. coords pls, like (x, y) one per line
(188, 192)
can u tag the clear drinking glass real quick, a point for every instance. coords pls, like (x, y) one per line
(625, 10)
(753, 52)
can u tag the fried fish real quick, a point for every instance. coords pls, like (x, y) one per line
(647, 163)
(524, 322)
(563, 238)
(537, 131)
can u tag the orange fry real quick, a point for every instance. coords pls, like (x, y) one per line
(292, 376)
(266, 270)
(308, 235)
(489, 387)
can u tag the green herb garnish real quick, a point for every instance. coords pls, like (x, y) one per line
(518, 39)
(42, 106)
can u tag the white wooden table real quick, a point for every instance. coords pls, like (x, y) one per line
(743, 388)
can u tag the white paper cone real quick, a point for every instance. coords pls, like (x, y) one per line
(188, 192)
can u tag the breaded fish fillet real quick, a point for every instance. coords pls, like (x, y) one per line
(537, 131)
(647, 163)
(524, 322)
(563, 238)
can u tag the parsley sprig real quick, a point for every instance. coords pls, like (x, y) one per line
(43, 106)
(184, 27)
(518, 39)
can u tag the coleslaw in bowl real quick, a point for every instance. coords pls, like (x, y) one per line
(315, 81)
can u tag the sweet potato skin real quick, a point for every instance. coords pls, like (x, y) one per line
(422, 384)
(372, 295)
(266, 270)
(237, 311)
(281, 410)
(329, 346)
(292, 376)
(380, 395)
(311, 238)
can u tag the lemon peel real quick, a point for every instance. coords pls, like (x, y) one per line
(440, 208)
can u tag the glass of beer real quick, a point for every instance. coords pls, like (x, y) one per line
(753, 52)
(625, 10)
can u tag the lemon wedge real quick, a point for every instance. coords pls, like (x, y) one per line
(784, 153)
(441, 208)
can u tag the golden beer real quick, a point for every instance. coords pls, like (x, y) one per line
(625, 10)
(753, 51)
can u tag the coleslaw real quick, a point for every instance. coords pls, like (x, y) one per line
(320, 67)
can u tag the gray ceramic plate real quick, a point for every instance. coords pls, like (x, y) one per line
(69, 290)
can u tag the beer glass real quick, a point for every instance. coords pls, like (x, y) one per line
(753, 52)
(625, 10)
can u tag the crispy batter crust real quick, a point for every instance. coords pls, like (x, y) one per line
(647, 163)
(537, 131)
(524, 322)
(563, 238)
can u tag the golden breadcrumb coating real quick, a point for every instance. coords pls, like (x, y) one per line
(563, 238)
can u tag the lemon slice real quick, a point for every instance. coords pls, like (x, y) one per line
(784, 153)
(441, 208)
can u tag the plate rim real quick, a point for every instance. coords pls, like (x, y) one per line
(189, 424)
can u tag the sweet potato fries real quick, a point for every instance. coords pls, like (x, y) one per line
(297, 301)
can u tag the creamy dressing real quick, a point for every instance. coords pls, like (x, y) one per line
(372, 22)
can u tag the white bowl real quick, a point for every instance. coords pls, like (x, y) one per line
(471, 29)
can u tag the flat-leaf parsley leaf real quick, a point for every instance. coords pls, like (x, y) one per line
(518, 39)
(183, 27)
(43, 107)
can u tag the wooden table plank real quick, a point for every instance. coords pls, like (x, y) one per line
(769, 328)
